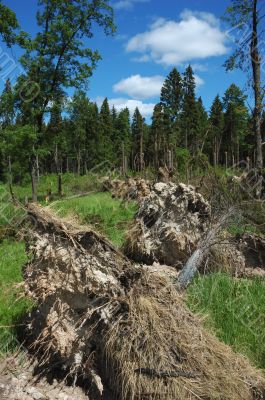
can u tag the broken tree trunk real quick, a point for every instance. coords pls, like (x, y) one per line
(102, 321)
(194, 262)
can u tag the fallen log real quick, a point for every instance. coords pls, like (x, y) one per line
(194, 262)
(105, 322)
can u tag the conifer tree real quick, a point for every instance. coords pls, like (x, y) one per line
(105, 141)
(122, 144)
(202, 128)
(137, 140)
(235, 122)
(215, 136)
(172, 93)
(189, 115)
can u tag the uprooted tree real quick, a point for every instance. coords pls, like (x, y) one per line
(102, 320)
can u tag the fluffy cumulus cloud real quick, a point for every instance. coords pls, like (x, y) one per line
(126, 4)
(140, 87)
(146, 109)
(144, 87)
(196, 36)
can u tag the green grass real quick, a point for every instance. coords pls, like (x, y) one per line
(107, 215)
(72, 184)
(12, 308)
(235, 311)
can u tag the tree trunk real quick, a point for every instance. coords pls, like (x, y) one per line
(60, 185)
(58, 172)
(34, 178)
(255, 60)
(191, 267)
(78, 161)
(141, 151)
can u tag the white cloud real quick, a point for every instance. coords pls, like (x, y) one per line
(199, 67)
(140, 87)
(144, 87)
(198, 80)
(126, 4)
(146, 109)
(197, 35)
(143, 58)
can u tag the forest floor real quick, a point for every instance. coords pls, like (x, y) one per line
(217, 297)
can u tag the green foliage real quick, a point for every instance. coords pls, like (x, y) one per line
(122, 135)
(182, 158)
(137, 138)
(8, 25)
(101, 211)
(235, 311)
(12, 306)
(189, 119)
(235, 121)
(104, 142)
(216, 127)
(172, 94)
(58, 58)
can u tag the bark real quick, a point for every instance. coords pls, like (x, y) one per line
(78, 161)
(34, 178)
(58, 172)
(256, 60)
(194, 262)
(141, 151)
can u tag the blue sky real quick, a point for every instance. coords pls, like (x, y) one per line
(153, 36)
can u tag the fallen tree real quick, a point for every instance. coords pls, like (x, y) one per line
(169, 225)
(123, 331)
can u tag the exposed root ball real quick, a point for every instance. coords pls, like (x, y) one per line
(169, 224)
(103, 320)
(177, 357)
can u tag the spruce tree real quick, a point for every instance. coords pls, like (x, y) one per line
(137, 141)
(105, 141)
(122, 144)
(78, 109)
(235, 122)
(202, 128)
(156, 145)
(215, 136)
(189, 115)
(172, 93)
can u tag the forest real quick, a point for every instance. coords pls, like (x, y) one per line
(77, 135)
(132, 238)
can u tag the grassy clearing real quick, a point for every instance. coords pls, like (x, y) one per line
(235, 311)
(12, 307)
(72, 184)
(107, 215)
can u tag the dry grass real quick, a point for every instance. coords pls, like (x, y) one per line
(159, 333)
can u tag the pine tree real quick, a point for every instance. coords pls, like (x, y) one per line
(246, 17)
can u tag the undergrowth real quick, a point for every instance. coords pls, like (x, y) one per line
(12, 303)
(107, 215)
(234, 310)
